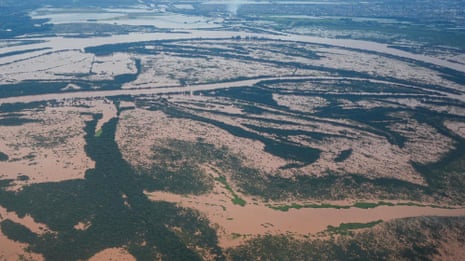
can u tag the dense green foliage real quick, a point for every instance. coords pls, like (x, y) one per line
(328, 187)
(177, 167)
(17, 232)
(111, 199)
(236, 199)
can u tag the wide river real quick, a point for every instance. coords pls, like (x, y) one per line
(61, 43)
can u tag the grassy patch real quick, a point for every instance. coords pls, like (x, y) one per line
(299, 206)
(363, 205)
(99, 133)
(343, 228)
(236, 199)
(413, 204)
(236, 235)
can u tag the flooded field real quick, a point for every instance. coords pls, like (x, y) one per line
(200, 131)
(237, 224)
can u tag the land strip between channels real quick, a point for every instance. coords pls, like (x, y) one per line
(169, 89)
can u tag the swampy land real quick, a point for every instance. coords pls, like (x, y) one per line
(240, 130)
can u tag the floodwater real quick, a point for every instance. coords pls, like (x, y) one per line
(142, 17)
(162, 90)
(257, 219)
(151, 91)
(248, 2)
(60, 43)
(254, 218)
(9, 249)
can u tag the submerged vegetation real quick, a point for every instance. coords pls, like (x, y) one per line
(321, 119)
(332, 185)
(344, 228)
(98, 133)
(421, 239)
(361, 205)
(111, 199)
(236, 199)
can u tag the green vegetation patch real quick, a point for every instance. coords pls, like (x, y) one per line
(236, 199)
(362, 205)
(176, 166)
(367, 205)
(299, 206)
(343, 228)
(98, 133)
